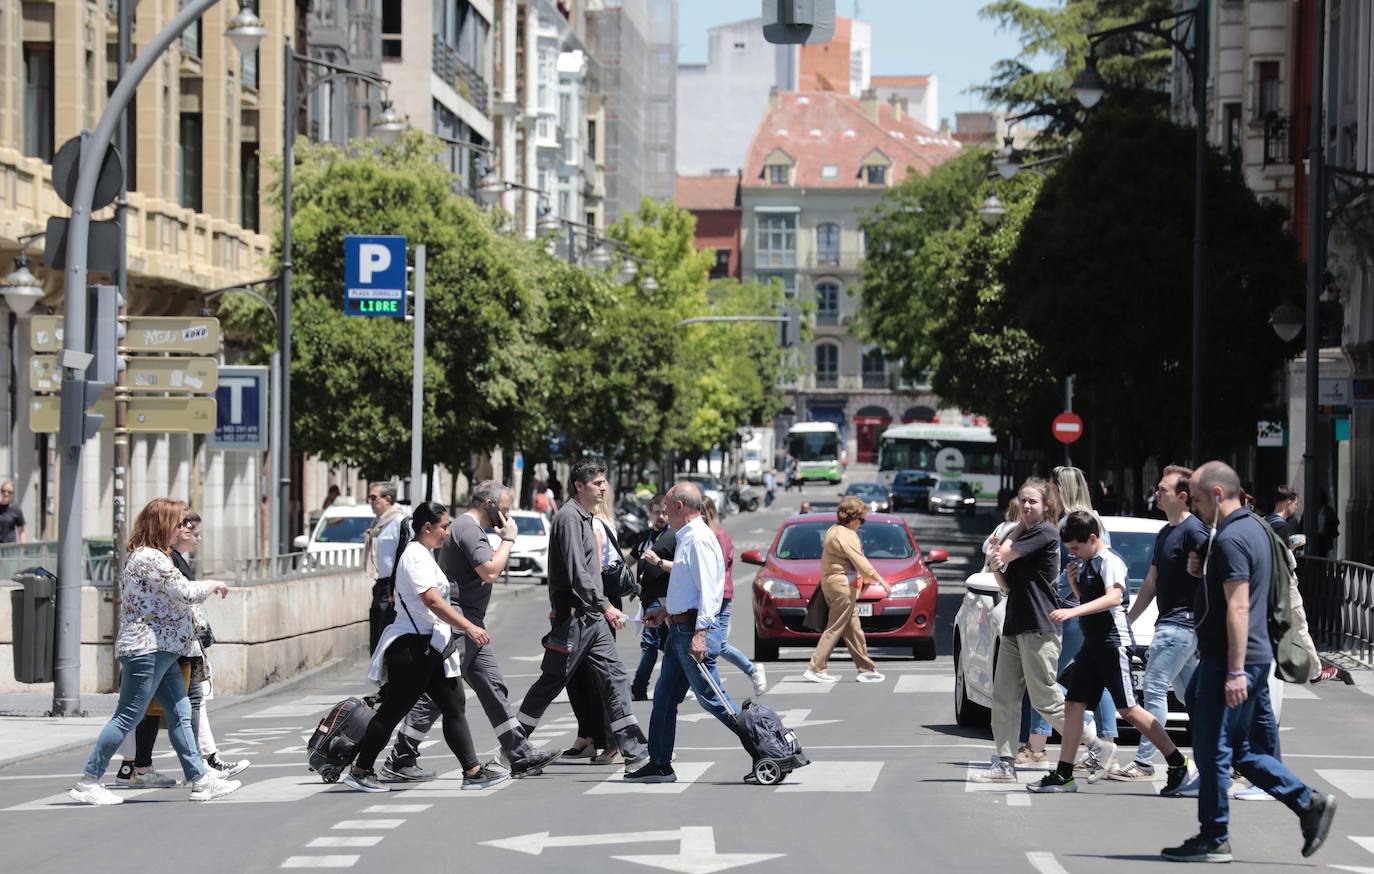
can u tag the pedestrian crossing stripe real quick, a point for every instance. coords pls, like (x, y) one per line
(796, 685)
(687, 774)
(833, 777)
(910, 683)
(1355, 783)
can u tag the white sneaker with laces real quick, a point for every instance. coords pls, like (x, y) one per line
(760, 681)
(1250, 793)
(819, 677)
(94, 794)
(870, 677)
(999, 771)
(212, 786)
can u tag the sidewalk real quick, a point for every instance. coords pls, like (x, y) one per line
(27, 732)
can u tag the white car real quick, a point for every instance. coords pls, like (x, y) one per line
(529, 555)
(978, 624)
(341, 527)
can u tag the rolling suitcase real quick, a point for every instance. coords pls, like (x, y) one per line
(337, 737)
(772, 746)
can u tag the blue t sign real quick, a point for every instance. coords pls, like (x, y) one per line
(375, 276)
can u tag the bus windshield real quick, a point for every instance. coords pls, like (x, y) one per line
(814, 445)
(968, 457)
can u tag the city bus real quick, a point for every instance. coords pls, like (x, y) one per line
(816, 447)
(969, 453)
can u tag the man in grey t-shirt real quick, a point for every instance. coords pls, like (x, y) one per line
(471, 563)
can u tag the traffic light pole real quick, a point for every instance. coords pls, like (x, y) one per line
(76, 424)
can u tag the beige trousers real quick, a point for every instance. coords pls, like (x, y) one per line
(1300, 625)
(841, 597)
(1026, 662)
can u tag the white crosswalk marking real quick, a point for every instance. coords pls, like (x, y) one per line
(63, 801)
(795, 685)
(1016, 799)
(449, 785)
(687, 774)
(320, 861)
(918, 683)
(367, 824)
(339, 843)
(833, 777)
(1355, 783)
(308, 705)
(397, 808)
(1292, 692)
(294, 788)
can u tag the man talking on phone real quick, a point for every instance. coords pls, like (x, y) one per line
(473, 556)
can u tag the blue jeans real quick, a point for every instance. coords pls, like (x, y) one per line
(1105, 713)
(154, 674)
(719, 639)
(650, 642)
(679, 673)
(1242, 737)
(1172, 659)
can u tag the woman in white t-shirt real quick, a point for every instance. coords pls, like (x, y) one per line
(419, 653)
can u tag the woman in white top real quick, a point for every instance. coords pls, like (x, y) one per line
(419, 653)
(155, 631)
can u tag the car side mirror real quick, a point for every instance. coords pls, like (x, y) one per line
(937, 556)
(752, 556)
(983, 584)
(301, 542)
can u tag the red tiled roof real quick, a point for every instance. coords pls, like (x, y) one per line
(707, 192)
(818, 128)
(897, 81)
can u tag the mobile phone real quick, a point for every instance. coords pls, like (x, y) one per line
(498, 519)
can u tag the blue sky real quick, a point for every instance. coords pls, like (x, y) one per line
(944, 37)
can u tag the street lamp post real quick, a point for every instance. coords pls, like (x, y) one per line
(388, 129)
(21, 291)
(245, 31)
(1089, 87)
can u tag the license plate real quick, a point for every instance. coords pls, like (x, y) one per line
(864, 609)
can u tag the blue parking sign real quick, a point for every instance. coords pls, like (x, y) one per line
(240, 409)
(375, 276)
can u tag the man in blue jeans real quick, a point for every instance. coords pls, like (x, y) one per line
(652, 555)
(1228, 699)
(1173, 651)
(696, 587)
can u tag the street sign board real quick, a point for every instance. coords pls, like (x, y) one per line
(178, 375)
(241, 410)
(374, 276)
(176, 335)
(66, 164)
(1067, 427)
(102, 245)
(193, 415)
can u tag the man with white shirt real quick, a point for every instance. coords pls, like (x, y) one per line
(696, 586)
(379, 555)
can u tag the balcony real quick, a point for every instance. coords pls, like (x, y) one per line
(1275, 139)
(877, 380)
(827, 318)
(827, 380)
(469, 84)
(831, 261)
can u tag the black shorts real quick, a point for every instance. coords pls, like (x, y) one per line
(1099, 667)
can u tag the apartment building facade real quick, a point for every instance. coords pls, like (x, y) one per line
(818, 163)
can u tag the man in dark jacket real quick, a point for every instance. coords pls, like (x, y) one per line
(651, 555)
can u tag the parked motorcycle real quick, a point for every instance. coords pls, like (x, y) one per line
(745, 499)
(632, 520)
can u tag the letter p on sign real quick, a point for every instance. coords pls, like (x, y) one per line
(373, 258)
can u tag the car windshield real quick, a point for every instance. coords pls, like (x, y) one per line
(704, 481)
(1137, 549)
(344, 529)
(529, 525)
(948, 486)
(866, 490)
(909, 479)
(802, 541)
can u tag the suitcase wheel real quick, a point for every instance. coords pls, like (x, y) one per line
(768, 772)
(331, 775)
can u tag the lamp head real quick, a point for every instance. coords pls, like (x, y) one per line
(650, 284)
(992, 210)
(389, 126)
(600, 258)
(548, 223)
(21, 288)
(490, 189)
(1287, 321)
(246, 30)
(1089, 86)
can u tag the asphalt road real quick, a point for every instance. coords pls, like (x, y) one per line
(888, 789)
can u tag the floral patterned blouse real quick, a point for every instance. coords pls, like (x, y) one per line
(157, 606)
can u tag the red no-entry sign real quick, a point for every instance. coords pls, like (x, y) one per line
(1067, 427)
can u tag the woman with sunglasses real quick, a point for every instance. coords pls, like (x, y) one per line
(845, 573)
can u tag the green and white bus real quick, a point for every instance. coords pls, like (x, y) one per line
(969, 453)
(816, 447)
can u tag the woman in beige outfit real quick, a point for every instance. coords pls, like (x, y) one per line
(845, 572)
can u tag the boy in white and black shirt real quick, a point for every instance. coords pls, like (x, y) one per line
(1102, 663)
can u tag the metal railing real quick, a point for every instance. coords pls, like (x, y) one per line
(1339, 599)
(454, 71)
(1275, 139)
(257, 570)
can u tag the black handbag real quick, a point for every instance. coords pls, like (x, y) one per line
(817, 612)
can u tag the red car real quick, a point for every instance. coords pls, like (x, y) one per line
(791, 572)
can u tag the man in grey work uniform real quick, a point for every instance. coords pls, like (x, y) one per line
(470, 562)
(582, 618)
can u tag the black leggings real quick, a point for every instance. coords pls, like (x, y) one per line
(411, 672)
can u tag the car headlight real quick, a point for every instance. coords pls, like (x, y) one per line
(779, 588)
(968, 500)
(910, 588)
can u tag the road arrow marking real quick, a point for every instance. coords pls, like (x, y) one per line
(535, 844)
(697, 855)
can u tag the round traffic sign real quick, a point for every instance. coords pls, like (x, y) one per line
(1067, 427)
(66, 165)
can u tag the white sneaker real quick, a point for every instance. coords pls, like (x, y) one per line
(819, 677)
(93, 793)
(150, 779)
(212, 786)
(998, 772)
(1250, 793)
(760, 681)
(870, 677)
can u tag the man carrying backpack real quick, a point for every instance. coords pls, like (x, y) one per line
(1228, 697)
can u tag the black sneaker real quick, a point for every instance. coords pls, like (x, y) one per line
(230, 768)
(1174, 778)
(485, 778)
(1316, 822)
(1199, 849)
(533, 765)
(1053, 782)
(394, 773)
(652, 773)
